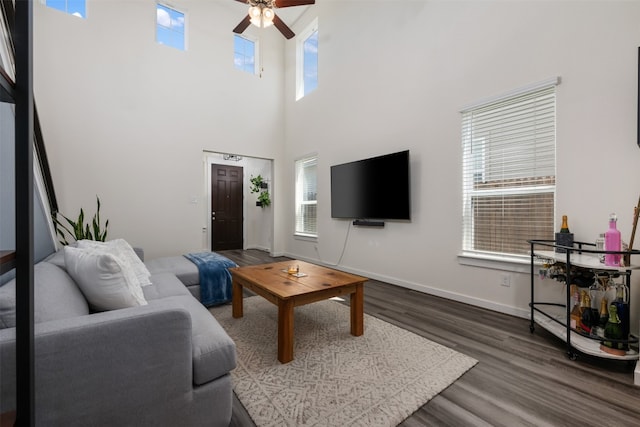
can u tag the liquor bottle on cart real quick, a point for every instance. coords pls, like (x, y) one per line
(587, 319)
(604, 313)
(564, 237)
(613, 331)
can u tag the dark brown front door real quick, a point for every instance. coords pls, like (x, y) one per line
(226, 207)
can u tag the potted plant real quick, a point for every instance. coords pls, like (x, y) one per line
(259, 185)
(79, 230)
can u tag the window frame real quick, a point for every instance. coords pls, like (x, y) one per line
(470, 255)
(301, 39)
(184, 25)
(299, 166)
(256, 53)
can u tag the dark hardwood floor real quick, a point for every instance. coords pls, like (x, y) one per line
(522, 378)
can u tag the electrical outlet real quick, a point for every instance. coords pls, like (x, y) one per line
(505, 280)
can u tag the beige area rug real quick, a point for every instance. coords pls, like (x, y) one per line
(335, 379)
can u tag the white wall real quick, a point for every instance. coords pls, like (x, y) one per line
(259, 220)
(128, 119)
(395, 77)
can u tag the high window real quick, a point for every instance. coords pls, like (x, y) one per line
(306, 197)
(72, 7)
(244, 53)
(170, 27)
(307, 61)
(508, 147)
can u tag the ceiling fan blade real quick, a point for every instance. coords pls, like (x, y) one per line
(284, 29)
(289, 3)
(242, 25)
(243, 1)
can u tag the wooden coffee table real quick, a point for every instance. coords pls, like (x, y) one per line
(316, 283)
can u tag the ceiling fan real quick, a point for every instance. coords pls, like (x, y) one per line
(262, 14)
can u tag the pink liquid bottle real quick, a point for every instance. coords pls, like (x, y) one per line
(612, 242)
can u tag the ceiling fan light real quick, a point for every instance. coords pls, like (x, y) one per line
(267, 14)
(267, 18)
(255, 12)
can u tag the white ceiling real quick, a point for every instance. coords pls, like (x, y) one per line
(291, 14)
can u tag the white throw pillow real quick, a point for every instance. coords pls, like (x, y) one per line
(123, 250)
(103, 279)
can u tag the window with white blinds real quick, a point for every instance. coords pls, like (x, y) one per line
(508, 168)
(306, 197)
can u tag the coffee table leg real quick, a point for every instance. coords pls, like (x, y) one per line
(285, 331)
(357, 311)
(236, 300)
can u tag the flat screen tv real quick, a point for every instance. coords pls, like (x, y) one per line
(374, 188)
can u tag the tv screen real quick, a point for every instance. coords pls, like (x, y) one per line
(374, 188)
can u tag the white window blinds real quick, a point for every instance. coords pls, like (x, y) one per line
(306, 197)
(509, 172)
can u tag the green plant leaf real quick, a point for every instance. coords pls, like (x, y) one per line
(264, 199)
(77, 229)
(256, 183)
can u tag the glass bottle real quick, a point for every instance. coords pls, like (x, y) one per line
(586, 319)
(564, 238)
(613, 330)
(612, 242)
(600, 246)
(604, 313)
(576, 313)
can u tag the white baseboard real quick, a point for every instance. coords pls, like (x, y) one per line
(258, 247)
(266, 249)
(490, 305)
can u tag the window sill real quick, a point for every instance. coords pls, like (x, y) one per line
(516, 264)
(305, 237)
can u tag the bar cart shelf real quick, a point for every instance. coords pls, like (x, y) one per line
(555, 316)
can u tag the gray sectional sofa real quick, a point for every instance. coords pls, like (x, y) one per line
(166, 363)
(184, 270)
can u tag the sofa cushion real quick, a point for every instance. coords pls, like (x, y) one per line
(125, 253)
(104, 280)
(184, 269)
(57, 258)
(214, 352)
(56, 296)
(164, 285)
